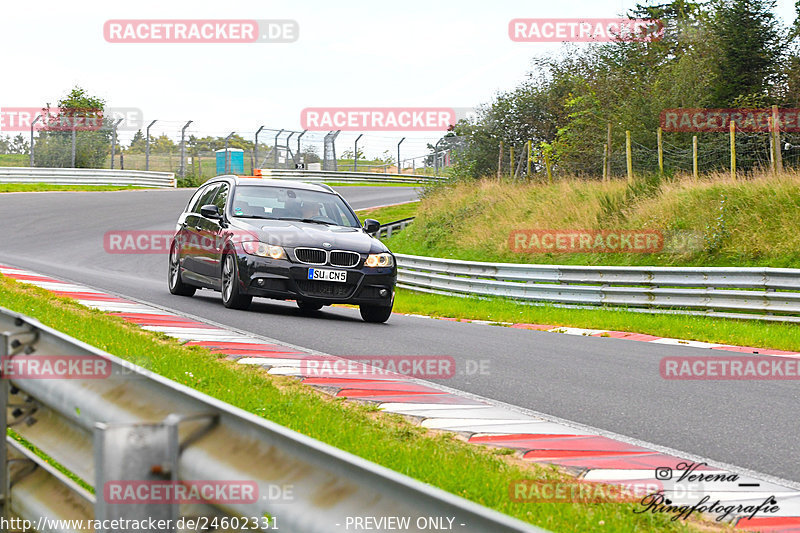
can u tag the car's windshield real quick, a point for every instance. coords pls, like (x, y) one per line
(280, 203)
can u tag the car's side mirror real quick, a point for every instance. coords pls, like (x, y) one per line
(210, 211)
(372, 226)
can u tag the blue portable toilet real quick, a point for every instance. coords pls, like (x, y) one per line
(236, 156)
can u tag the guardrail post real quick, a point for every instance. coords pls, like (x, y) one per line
(127, 456)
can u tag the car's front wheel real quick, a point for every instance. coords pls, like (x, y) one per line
(375, 313)
(232, 298)
(176, 284)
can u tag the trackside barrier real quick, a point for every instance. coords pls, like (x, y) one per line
(318, 176)
(134, 426)
(387, 229)
(750, 293)
(87, 176)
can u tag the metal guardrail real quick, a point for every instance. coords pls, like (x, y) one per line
(135, 426)
(318, 176)
(755, 292)
(87, 176)
(387, 229)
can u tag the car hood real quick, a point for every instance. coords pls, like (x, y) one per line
(293, 234)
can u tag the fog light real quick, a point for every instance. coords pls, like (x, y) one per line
(260, 282)
(384, 293)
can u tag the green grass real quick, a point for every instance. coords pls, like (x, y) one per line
(14, 160)
(478, 474)
(42, 187)
(748, 222)
(781, 336)
(390, 213)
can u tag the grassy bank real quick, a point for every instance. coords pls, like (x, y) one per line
(714, 221)
(479, 474)
(389, 213)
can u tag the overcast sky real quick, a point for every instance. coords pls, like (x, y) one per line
(447, 53)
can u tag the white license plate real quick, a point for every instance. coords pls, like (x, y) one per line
(327, 275)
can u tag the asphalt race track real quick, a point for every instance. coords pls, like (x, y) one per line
(606, 383)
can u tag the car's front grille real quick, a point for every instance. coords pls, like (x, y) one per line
(344, 259)
(311, 256)
(325, 289)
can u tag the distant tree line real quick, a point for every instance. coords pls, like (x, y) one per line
(714, 54)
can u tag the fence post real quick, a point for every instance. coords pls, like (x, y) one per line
(660, 152)
(399, 169)
(629, 155)
(605, 162)
(528, 173)
(255, 152)
(733, 149)
(608, 154)
(32, 144)
(776, 139)
(182, 167)
(147, 146)
(547, 166)
(114, 141)
(695, 173)
(500, 162)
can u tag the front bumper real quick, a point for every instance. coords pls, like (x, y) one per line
(284, 280)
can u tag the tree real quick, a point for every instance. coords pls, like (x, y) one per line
(749, 46)
(138, 143)
(77, 112)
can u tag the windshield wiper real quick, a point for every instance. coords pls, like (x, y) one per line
(253, 216)
(310, 220)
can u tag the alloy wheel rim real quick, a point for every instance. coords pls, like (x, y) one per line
(173, 264)
(227, 278)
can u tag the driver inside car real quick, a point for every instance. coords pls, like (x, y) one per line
(310, 209)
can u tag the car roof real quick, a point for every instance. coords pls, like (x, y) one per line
(267, 182)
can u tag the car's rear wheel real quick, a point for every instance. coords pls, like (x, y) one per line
(232, 298)
(176, 284)
(307, 307)
(374, 313)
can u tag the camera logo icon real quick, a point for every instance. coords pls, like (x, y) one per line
(663, 473)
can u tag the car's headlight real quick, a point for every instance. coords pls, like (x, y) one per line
(379, 260)
(264, 250)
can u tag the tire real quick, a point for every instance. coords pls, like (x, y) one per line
(231, 297)
(375, 314)
(176, 284)
(307, 307)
